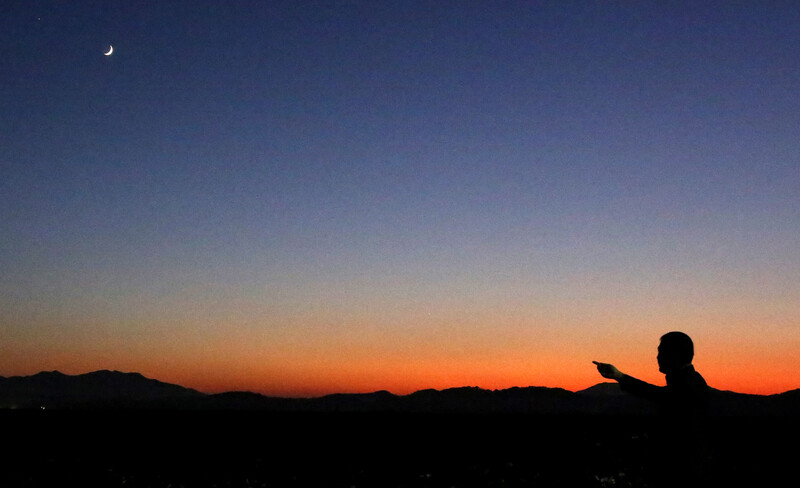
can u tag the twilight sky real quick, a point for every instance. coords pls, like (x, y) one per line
(300, 198)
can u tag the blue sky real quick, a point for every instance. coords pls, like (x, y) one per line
(252, 161)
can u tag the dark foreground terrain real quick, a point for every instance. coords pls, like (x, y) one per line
(258, 449)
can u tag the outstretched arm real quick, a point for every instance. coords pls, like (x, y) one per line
(608, 371)
(631, 384)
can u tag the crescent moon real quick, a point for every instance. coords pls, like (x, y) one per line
(110, 50)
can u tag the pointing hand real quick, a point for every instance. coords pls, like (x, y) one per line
(608, 371)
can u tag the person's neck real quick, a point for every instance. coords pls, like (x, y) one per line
(681, 369)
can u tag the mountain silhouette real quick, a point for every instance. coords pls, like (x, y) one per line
(117, 390)
(98, 389)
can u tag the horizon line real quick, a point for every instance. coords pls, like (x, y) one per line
(362, 392)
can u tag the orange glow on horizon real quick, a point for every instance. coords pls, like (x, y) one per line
(411, 377)
(311, 360)
(420, 376)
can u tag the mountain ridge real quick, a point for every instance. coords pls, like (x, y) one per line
(107, 389)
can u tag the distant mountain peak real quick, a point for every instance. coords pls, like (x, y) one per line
(53, 373)
(607, 388)
(103, 388)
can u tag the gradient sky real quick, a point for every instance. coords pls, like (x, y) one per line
(300, 198)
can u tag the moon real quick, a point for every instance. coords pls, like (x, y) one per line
(110, 50)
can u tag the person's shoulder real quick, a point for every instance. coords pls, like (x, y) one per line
(698, 379)
(688, 377)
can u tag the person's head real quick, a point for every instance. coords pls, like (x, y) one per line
(675, 352)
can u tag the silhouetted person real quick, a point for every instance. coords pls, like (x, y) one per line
(683, 406)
